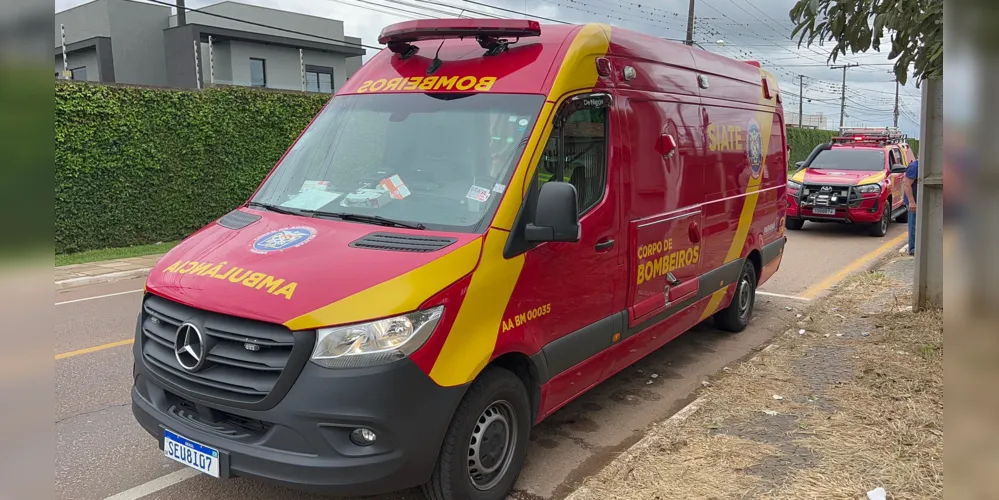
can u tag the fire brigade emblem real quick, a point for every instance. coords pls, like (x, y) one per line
(283, 239)
(754, 148)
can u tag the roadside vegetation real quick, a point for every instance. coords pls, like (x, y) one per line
(112, 253)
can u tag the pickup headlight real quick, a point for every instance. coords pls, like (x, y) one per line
(793, 186)
(375, 342)
(869, 188)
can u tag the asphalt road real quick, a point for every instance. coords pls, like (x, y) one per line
(101, 452)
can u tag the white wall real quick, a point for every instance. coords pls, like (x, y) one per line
(83, 22)
(283, 70)
(137, 42)
(325, 27)
(223, 63)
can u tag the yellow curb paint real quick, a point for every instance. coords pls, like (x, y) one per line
(817, 289)
(93, 349)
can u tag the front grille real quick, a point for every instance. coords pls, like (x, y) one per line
(245, 359)
(824, 195)
(216, 421)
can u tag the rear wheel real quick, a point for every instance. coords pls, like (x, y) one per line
(486, 444)
(880, 228)
(794, 224)
(735, 317)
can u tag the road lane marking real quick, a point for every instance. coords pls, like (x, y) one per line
(96, 297)
(816, 289)
(93, 349)
(782, 296)
(155, 485)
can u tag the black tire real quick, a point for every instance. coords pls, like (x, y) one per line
(794, 224)
(499, 399)
(735, 318)
(880, 228)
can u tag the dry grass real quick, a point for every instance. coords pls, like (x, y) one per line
(856, 412)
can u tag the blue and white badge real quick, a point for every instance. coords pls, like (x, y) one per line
(283, 239)
(754, 148)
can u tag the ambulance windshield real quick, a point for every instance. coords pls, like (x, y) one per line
(863, 159)
(440, 160)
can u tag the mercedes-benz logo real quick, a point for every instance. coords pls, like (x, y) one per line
(190, 347)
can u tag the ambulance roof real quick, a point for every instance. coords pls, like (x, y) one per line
(561, 57)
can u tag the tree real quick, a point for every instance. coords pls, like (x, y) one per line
(915, 28)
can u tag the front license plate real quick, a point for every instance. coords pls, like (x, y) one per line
(191, 454)
(824, 211)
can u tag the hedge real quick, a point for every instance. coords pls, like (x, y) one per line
(137, 165)
(803, 141)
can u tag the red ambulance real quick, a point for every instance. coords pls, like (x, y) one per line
(855, 179)
(489, 219)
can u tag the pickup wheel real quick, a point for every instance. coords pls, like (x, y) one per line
(735, 318)
(880, 228)
(486, 444)
(794, 223)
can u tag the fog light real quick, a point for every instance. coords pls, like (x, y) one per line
(363, 437)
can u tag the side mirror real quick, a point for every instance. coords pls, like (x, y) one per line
(898, 169)
(799, 164)
(556, 217)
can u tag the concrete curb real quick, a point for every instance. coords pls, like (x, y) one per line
(674, 420)
(103, 278)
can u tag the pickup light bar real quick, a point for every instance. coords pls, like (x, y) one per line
(870, 135)
(490, 33)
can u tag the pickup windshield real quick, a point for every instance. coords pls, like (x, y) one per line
(868, 160)
(437, 160)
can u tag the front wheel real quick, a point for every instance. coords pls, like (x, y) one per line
(880, 228)
(735, 317)
(486, 444)
(794, 224)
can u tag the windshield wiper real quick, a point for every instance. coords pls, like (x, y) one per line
(274, 208)
(370, 219)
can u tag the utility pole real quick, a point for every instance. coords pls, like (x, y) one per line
(801, 100)
(181, 13)
(896, 102)
(842, 106)
(690, 24)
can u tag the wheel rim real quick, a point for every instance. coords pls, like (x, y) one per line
(745, 296)
(490, 449)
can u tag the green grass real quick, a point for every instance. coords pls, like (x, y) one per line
(112, 253)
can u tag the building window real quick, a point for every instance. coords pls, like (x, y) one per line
(319, 79)
(578, 154)
(79, 73)
(258, 73)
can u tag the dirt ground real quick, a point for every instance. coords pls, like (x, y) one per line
(849, 398)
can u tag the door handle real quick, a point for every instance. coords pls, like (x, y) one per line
(604, 245)
(671, 280)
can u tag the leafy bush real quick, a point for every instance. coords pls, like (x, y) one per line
(803, 141)
(139, 165)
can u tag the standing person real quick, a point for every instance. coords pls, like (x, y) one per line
(909, 186)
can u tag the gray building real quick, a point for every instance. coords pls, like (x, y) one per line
(142, 43)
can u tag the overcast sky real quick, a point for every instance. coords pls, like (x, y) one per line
(757, 29)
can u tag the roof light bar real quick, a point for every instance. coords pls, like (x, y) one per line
(441, 29)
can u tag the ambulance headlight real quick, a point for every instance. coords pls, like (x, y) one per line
(376, 342)
(869, 189)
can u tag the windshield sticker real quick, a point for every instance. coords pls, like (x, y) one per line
(311, 199)
(283, 239)
(424, 84)
(513, 118)
(477, 193)
(316, 185)
(396, 188)
(523, 122)
(499, 188)
(259, 281)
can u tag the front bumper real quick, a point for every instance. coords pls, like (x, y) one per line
(303, 441)
(866, 211)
